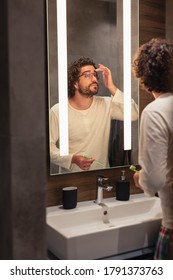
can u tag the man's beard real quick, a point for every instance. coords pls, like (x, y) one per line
(87, 92)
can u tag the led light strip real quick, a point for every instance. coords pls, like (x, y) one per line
(62, 76)
(127, 72)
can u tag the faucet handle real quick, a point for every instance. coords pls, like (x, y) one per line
(101, 179)
(109, 188)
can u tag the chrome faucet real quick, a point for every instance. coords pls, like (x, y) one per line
(100, 187)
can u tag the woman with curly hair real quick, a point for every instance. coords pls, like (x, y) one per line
(153, 65)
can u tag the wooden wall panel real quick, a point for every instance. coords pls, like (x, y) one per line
(152, 23)
(151, 19)
(86, 183)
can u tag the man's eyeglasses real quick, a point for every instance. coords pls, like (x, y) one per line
(89, 75)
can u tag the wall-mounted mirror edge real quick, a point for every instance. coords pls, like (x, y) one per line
(53, 87)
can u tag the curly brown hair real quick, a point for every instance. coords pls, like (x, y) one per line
(153, 65)
(74, 71)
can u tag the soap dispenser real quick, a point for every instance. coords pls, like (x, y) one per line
(122, 188)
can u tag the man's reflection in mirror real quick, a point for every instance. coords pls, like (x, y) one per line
(90, 117)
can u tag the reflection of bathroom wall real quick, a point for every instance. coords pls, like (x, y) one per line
(95, 30)
(117, 155)
(92, 32)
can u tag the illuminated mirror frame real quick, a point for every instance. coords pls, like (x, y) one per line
(63, 79)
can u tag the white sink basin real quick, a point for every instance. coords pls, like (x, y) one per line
(91, 231)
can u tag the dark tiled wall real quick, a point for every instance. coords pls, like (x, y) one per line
(22, 129)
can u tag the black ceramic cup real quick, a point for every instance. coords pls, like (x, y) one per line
(69, 197)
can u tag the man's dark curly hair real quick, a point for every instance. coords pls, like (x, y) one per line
(153, 65)
(74, 72)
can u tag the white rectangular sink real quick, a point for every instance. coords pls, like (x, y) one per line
(91, 231)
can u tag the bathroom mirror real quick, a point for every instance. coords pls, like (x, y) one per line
(95, 30)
